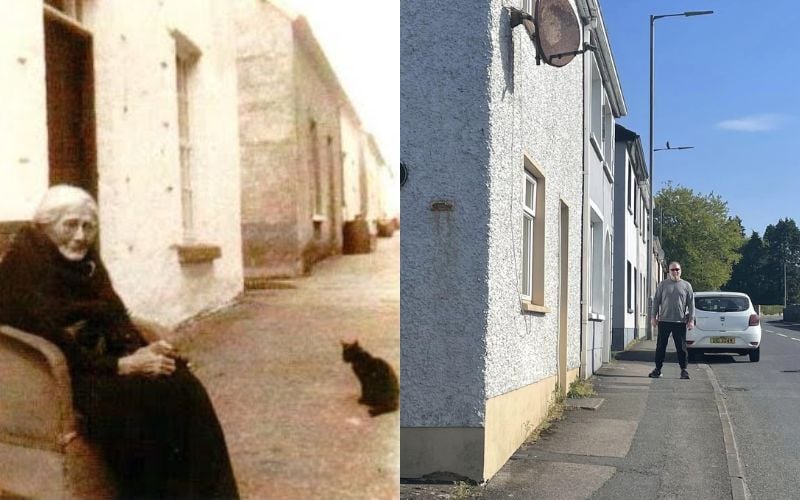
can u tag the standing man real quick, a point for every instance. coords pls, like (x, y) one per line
(673, 313)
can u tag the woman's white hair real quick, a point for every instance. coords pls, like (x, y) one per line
(60, 198)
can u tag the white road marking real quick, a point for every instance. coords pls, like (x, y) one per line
(794, 339)
(782, 335)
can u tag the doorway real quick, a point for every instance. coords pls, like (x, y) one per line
(70, 103)
(563, 298)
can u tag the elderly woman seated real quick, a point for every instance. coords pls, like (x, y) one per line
(150, 416)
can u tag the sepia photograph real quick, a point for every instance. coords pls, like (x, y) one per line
(199, 249)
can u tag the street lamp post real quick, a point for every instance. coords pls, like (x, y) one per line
(653, 19)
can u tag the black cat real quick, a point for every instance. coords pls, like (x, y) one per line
(380, 389)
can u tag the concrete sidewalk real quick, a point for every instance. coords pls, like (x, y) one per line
(649, 438)
(273, 367)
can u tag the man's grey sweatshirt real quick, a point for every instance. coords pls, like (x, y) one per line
(673, 301)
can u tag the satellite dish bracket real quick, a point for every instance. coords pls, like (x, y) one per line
(586, 46)
(517, 16)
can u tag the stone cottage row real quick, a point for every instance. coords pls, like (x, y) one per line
(215, 135)
(524, 252)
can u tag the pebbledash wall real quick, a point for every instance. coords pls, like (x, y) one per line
(477, 371)
(138, 153)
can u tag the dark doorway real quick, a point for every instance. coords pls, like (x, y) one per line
(70, 104)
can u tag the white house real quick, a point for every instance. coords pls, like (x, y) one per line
(630, 237)
(491, 249)
(135, 102)
(603, 103)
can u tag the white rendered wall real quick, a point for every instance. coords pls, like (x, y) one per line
(444, 279)
(138, 155)
(535, 111)
(23, 113)
(473, 105)
(351, 161)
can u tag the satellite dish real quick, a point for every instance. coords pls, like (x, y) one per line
(558, 32)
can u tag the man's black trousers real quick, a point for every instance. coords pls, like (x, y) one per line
(678, 331)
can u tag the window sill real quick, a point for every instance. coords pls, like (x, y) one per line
(596, 317)
(198, 253)
(607, 170)
(534, 308)
(319, 218)
(596, 145)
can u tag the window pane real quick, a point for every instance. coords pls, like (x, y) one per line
(530, 195)
(527, 255)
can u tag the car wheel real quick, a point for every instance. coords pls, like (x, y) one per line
(755, 355)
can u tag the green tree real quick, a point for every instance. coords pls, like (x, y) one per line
(782, 245)
(697, 231)
(749, 274)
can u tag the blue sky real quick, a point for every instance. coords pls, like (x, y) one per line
(726, 84)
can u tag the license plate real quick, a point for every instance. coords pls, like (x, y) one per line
(723, 340)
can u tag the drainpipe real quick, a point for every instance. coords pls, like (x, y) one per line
(585, 220)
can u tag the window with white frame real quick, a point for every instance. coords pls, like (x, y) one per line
(641, 210)
(630, 188)
(317, 205)
(597, 275)
(608, 131)
(596, 107)
(186, 56)
(533, 227)
(528, 225)
(71, 8)
(527, 6)
(644, 295)
(636, 204)
(628, 283)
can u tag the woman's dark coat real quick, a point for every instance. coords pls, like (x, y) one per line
(160, 435)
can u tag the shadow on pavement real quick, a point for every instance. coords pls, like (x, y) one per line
(717, 359)
(646, 356)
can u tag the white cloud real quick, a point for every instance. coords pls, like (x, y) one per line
(754, 123)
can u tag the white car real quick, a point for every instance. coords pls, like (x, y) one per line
(725, 322)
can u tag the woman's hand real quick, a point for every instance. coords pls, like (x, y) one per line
(146, 361)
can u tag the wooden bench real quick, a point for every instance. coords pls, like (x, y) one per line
(43, 453)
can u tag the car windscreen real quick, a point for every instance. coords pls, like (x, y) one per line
(721, 304)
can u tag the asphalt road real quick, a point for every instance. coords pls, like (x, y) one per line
(763, 400)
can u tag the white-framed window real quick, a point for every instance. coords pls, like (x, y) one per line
(70, 8)
(641, 210)
(317, 205)
(527, 6)
(186, 57)
(533, 236)
(597, 274)
(528, 227)
(630, 188)
(596, 107)
(608, 130)
(629, 286)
